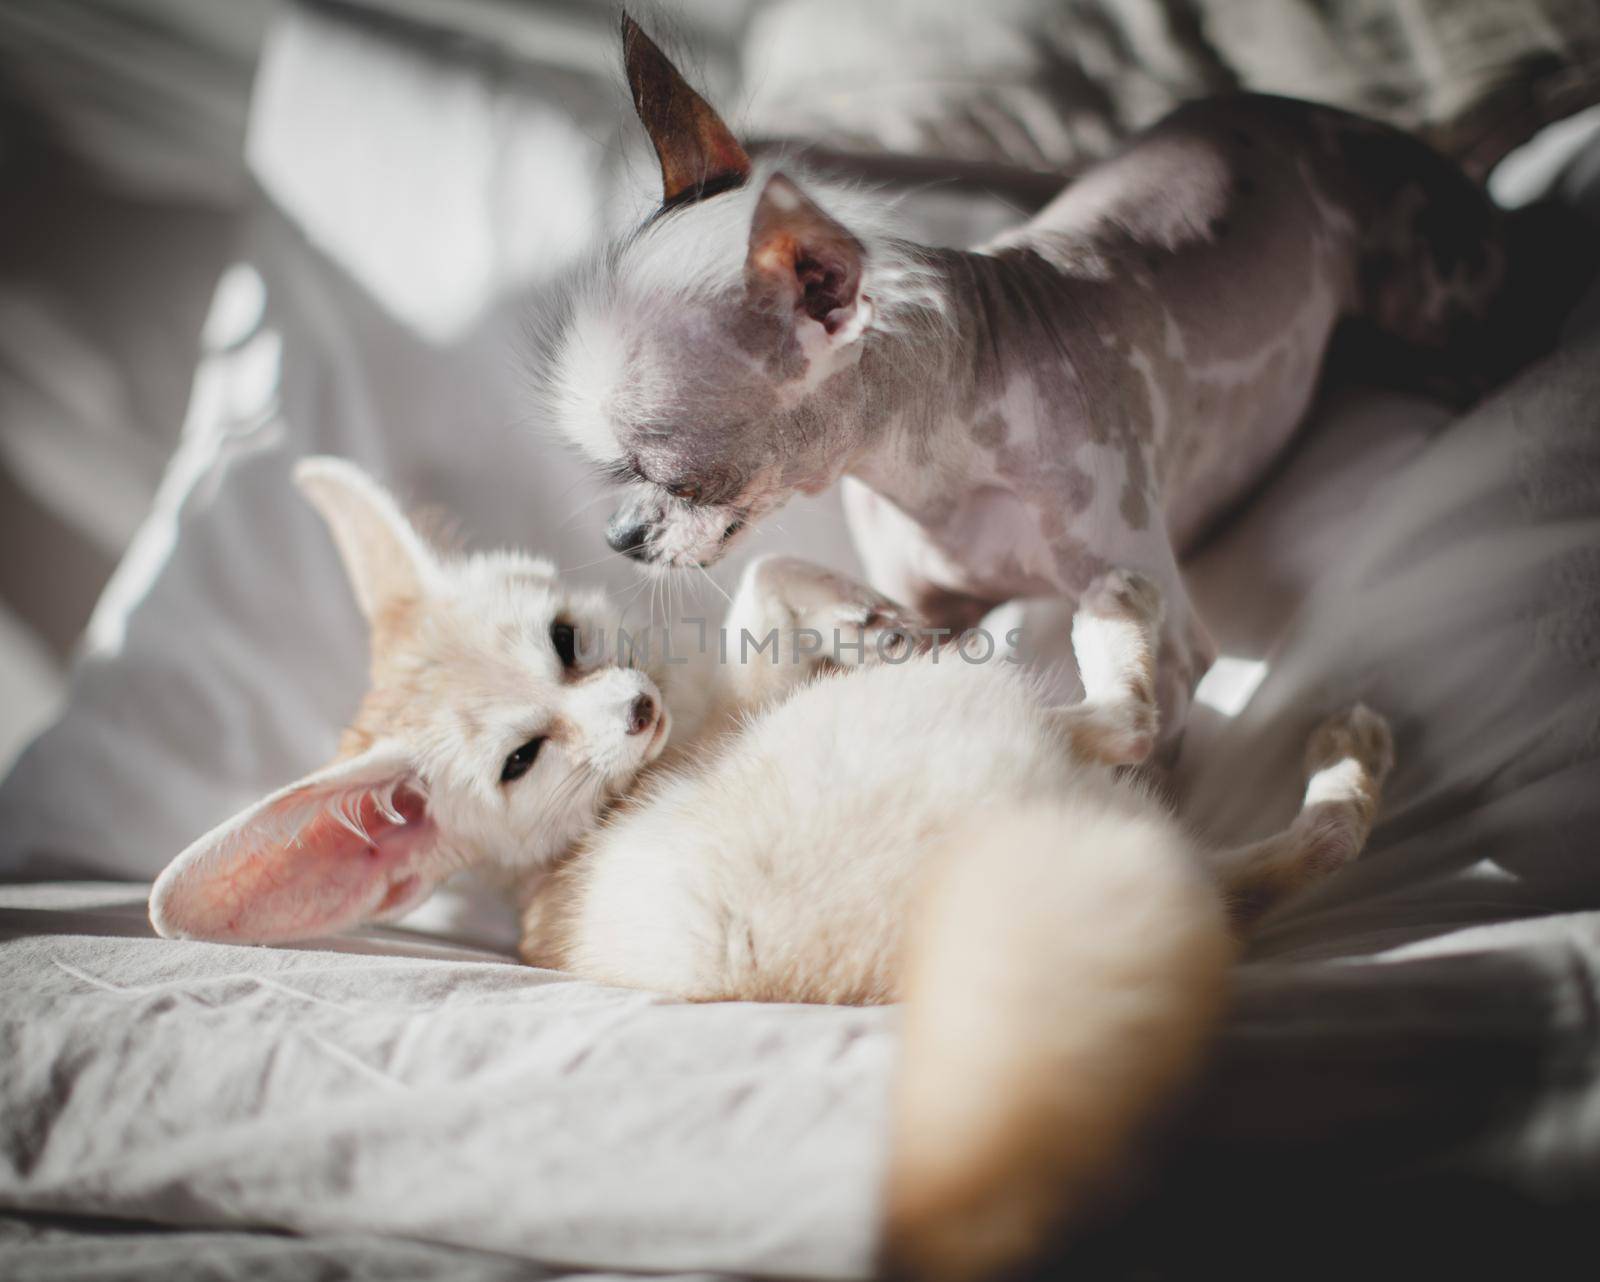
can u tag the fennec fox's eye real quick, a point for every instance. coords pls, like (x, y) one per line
(564, 637)
(521, 761)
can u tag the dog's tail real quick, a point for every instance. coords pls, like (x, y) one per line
(1061, 977)
(1452, 295)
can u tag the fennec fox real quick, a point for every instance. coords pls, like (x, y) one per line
(878, 826)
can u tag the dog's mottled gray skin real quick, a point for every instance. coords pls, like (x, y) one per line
(1093, 389)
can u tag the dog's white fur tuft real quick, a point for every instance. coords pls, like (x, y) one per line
(697, 256)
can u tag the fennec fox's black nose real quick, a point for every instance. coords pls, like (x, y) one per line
(642, 715)
(627, 534)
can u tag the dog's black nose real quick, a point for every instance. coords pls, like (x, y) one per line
(642, 715)
(627, 534)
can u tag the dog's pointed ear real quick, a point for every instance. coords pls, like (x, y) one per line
(350, 843)
(387, 561)
(699, 154)
(802, 258)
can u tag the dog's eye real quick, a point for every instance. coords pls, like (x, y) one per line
(623, 471)
(565, 639)
(521, 761)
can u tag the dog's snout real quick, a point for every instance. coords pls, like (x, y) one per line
(641, 714)
(627, 534)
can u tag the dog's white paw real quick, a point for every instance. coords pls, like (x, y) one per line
(856, 624)
(875, 631)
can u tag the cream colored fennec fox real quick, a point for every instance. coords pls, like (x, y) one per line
(915, 828)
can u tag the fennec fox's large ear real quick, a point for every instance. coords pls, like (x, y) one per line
(803, 261)
(387, 562)
(349, 843)
(699, 155)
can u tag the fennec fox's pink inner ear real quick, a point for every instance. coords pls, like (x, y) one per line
(802, 258)
(385, 559)
(699, 155)
(350, 843)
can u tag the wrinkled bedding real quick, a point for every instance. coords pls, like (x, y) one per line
(1040, 84)
(395, 1085)
(420, 1106)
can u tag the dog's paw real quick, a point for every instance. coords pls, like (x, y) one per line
(856, 625)
(1357, 734)
(871, 631)
(1124, 595)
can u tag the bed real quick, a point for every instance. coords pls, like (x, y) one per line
(1413, 1046)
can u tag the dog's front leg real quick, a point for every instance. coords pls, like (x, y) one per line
(1184, 649)
(1185, 654)
(905, 564)
(1116, 635)
(791, 618)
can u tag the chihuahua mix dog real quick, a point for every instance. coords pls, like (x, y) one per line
(1090, 391)
(866, 826)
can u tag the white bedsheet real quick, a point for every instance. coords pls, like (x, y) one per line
(393, 1085)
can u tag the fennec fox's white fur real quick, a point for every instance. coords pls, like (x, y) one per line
(916, 828)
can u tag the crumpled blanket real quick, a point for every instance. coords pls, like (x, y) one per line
(1050, 86)
(396, 1086)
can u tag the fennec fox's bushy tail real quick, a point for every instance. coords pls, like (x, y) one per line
(1067, 964)
(1060, 985)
